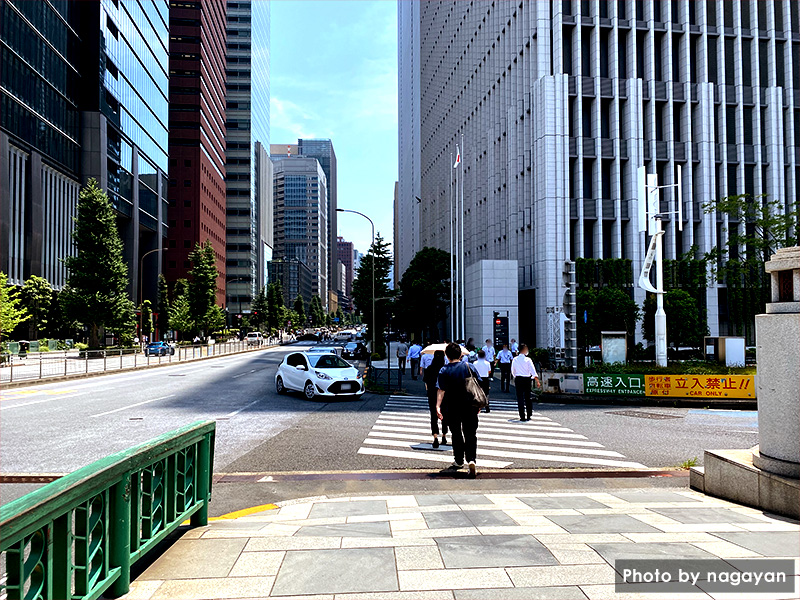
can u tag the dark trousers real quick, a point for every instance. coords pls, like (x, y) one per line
(414, 368)
(486, 386)
(463, 429)
(401, 363)
(505, 377)
(434, 417)
(524, 400)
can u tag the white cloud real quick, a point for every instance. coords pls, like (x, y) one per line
(288, 116)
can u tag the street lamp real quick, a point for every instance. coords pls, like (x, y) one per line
(373, 270)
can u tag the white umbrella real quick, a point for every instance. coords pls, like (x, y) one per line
(434, 347)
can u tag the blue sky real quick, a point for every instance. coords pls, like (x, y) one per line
(334, 75)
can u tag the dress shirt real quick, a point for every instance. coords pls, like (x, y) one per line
(425, 361)
(489, 352)
(483, 367)
(515, 347)
(402, 350)
(414, 351)
(505, 356)
(522, 366)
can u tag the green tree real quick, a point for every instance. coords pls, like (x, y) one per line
(260, 308)
(316, 311)
(96, 293)
(362, 284)
(685, 323)
(180, 313)
(11, 313)
(757, 227)
(275, 305)
(163, 304)
(609, 309)
(37, 298)
(425, 292)
(299, 307)
(203, 287)
(146, 318)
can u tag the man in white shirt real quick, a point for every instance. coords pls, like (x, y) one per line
(524, 372)
(424, 362)
(504, 358)
(514, 347)
(413, 355)
(484, 367)
(488, 348)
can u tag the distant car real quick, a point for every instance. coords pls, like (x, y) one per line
(355, 351)
(254, 338)
(308, 337)
(322, 350)
(318, 375)
(344, 336)
(158, 349)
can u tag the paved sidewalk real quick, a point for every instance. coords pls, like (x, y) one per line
(460, 546)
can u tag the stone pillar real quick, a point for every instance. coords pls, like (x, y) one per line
(778, 357)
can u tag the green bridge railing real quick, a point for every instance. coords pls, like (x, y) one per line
(77, 537)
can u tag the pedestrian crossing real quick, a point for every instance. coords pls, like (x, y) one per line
(402, 431)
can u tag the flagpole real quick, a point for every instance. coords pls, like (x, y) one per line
(457, 252)
(463, 256)
(452, 273)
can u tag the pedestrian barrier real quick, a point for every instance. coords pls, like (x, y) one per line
(42, 365)
(78, 536)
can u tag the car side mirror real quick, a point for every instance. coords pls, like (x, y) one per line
(300, 368)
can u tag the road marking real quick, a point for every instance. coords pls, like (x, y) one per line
(423, 456)
(116, 410)
(242, 374)
(405, 423)
(236, 412)
(40, 401)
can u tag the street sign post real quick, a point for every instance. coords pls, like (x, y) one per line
(500, 327)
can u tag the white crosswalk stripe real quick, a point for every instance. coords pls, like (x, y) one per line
(402, 430)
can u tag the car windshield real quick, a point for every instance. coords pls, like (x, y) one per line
(351, 346)
(327, 361)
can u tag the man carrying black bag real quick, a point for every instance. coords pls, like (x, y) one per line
(458, 402)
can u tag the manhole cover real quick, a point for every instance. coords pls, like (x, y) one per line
(643, 415)
(177, 375)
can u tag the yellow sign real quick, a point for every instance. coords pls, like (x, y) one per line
(701, 386)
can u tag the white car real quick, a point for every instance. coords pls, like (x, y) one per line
(254, 338)
(320, 374)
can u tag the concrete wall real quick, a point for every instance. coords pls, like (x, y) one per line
(490, 285)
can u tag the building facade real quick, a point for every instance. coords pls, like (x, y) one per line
(39, 138)
(197, 135)
(84, 94)
(346, 252)
(247, 134)
(301, 216)
(559, 103)
(295, 278)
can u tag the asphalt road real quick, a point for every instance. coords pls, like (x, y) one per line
(57, 428)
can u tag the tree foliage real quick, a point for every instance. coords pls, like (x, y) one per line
(686, 324)
(299, 307)
(37, 298)
(362, 284)
(316, 312)
(162, 305)
(275, 304)
(146, 318)
(260, 308)
(11, 313)
(425, 292)
(609, 309)
(180, 313)
(756, 228)
(203, 289)
(96, 293)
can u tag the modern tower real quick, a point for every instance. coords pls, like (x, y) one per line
(248, 168)
(559, 103)
(301, 216)
(345, 256)
(197, 135)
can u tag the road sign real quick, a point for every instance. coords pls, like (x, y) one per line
(500, 326)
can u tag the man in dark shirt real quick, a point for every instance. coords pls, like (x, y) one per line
(453, 406)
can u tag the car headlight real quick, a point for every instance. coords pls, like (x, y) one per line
(322, 375)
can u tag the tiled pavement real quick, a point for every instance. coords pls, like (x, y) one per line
(402, 430)
(459, 547)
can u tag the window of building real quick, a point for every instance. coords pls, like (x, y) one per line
(694, 56)
(692, 13)
(747, 65)
(603, 9)
(677, 124)
(173, 243)
(187, 223)
(640, 54)
(730, 124)
(586, 57)
(711, 13)
(745, 15)
(727, 13)
(605, 121)
(730, 62)
(778, 16)
(640, 10)
(762, 15)
(587, 118)
(186, 264)
(658, 15)
(604, 53)
(623, 57)
(187, 163)
(676, 58)
(187, 183)
(780, 64)
(712, 60)
(567, 53)
(657, 58)
(660, 121)
(172, 222)
(588, 185)
(622, 12)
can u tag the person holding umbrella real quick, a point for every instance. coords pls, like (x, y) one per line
(430, 376)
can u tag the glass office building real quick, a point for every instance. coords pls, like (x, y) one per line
(124, 136)
(39, 137)
(249, 171)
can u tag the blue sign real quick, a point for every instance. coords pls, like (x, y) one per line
(585, 316)
(336, 320)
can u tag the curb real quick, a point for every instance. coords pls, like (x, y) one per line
(60, 378)
(669, 402)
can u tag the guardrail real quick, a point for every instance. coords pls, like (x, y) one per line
(78, 536)
(42, 365)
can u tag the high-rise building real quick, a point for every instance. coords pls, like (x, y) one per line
(197, 135)
(248, 192)
(295, 278)
(396, 274)
(84, 94)
(559, 103)
(301, 216)
(39, 137)
(345, 255)
(323, 151)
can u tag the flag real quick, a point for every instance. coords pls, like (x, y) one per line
(458, 157)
